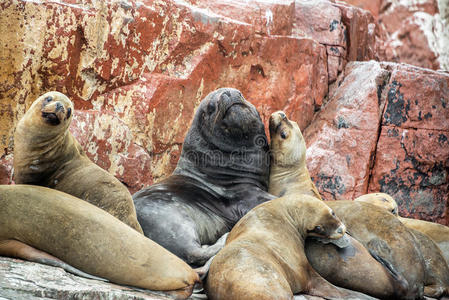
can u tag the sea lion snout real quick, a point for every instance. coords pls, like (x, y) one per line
(339, 232)
(55, 107)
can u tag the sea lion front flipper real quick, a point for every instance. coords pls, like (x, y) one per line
(202, 271)
(17, 249)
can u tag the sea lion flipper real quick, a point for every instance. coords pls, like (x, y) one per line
(17, 249)
(378, 250)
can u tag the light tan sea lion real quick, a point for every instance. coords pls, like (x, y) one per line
(46, 154)
(288, 169)
(437, 232)
(291, 176)
(382, 200)
(87, 238)
(264, 254)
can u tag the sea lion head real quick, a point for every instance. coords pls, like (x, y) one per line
(318, 219)
(51, 110)
(382, 200)
(226, 142)
(226, 120)
(288, 147)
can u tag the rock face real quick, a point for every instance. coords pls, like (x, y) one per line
(385, 128)
(137, 70)
(27, 280)
(416, 31)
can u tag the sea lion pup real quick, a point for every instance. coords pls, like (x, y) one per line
(86, 237)
(46, 154)
(222, 173)
(355, 259)
(437, 232)
(264, 254)
(437, 271)
(288, 170)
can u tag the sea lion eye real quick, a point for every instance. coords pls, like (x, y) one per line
(333, 214)
(211, 107)
(69, 112)
(317, 228)
(283, 135)
(48, 99)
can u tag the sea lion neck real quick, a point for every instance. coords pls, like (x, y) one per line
(290, 180)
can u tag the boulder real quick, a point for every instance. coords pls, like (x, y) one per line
(416, 31)
(412, 153)
(385, 128)
(342, 138)
(26, 280)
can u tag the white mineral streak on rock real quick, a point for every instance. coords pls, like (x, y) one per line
(269, 17)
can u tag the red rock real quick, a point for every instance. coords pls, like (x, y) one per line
(417, 98)
(266, 17)
(412, 166)
(341, 139)
(108, 142)
(412, 153)
(373, 6)
(6, 169)
(364, 37)
(320, 20)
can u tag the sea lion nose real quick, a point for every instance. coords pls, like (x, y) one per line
(341, 229)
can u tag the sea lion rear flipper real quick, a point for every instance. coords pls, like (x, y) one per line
(378, 250)
(17, 249)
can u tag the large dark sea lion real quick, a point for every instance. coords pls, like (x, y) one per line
(46, 154)
(264, 254)
(291, 178)
(222, 173)
(86, 237)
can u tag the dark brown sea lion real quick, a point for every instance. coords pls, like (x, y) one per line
(264, 254)
(222, 173)
(87, 238)
(295, 179)
(46, 154)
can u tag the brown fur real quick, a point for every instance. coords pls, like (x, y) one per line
(288, 170)
(437, 272)
(289, 175)
(88, 238)
(264, 254)
(437, 232)
(46, 154)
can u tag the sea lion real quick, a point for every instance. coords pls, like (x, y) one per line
(437, 271)
(264, 254)
(437, 232)
(292, 177)
(382, 200)
(87, 238)
(222, 173)
(46, 154)
(288, 170)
